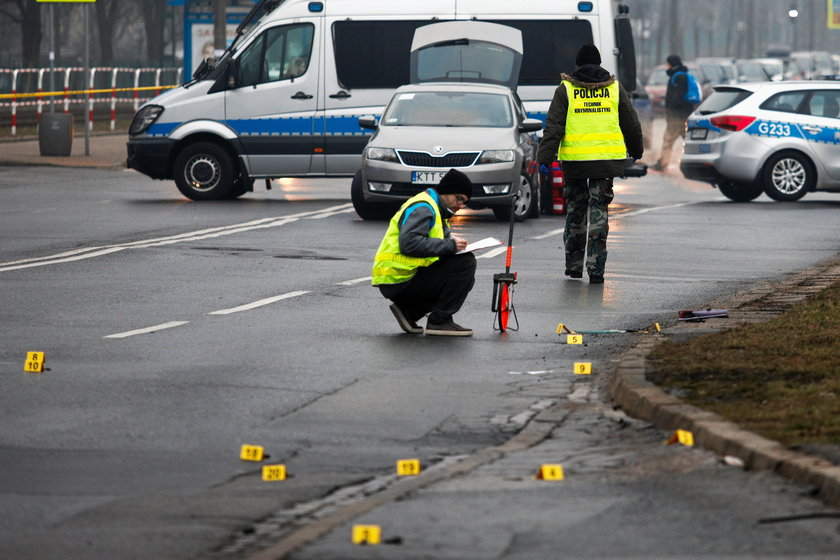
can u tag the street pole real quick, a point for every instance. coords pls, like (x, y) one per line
(87, 77)
(219, 25)
(51, 26)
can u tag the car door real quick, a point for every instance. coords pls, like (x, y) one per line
(272, 108)
(820, 126)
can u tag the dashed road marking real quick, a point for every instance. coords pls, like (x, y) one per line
(258, 303)
(148, 330)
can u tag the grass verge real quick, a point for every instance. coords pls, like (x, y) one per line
(780, 379)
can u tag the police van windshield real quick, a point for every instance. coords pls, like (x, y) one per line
(449, 109)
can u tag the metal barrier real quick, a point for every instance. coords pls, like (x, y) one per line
(23, 88)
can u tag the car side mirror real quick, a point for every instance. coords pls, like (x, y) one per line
(232, 72)
(530, 125)
(368, 122)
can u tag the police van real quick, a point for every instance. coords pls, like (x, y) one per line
(285, 98)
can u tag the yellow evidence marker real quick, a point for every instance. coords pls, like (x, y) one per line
(252, 453)
(408, 467)
(551, 472)
(561, 328)
(271, 473)
(574, 339)
(34, 362)
(366, 534)
(681, 436)
(583, 368)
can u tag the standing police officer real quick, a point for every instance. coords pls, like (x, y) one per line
(591, 127)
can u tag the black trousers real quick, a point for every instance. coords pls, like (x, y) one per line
(439, 289)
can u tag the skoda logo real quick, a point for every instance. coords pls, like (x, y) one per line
(437, 149)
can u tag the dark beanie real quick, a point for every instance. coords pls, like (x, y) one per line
(455, 182)
(673, 60)
(588, 54)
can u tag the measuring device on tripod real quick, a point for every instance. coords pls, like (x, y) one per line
(503, 283)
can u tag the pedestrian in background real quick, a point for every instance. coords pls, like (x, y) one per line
(591, 127)
(416, 266)
(677, 110)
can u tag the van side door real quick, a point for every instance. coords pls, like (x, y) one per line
(272, 106)
(367, 60)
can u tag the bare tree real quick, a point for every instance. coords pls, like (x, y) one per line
(153, 12)
(109, 23)
(28, 14)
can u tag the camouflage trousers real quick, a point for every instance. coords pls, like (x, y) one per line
(587, 224)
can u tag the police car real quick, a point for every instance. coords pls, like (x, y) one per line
(780, 138)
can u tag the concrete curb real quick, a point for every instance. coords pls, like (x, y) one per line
(642, 399)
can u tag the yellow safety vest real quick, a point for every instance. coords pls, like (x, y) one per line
(389, 265)
(592, 130)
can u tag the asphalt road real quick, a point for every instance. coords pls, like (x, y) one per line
(176, 331)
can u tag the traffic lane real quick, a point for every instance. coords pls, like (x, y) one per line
(47, 210)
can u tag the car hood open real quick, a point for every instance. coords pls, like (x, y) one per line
(466, 51)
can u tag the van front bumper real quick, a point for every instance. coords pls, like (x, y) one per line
(151, 156)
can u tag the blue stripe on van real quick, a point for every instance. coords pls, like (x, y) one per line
(162, 129)
(344, 125)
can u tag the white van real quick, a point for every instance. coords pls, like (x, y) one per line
(285, 98)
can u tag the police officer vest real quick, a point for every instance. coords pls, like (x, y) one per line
(389, 265)
(592, 130)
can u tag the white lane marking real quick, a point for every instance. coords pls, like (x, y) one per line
(148, 330)
(492, 253)
(259, 303)
(328, 214)
(90, 252)
(354, 281)
(626, 215)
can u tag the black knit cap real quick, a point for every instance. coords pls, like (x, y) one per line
(588, 54)
(673, 60)
(455, 182)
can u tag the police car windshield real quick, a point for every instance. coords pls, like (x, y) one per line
(722, 99)
(448, 108)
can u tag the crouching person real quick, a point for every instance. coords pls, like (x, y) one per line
(416, 266)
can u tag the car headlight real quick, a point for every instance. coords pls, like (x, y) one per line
(144, 118)
(382, 154)
(496, 156)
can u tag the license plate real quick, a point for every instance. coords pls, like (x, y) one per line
(426, 177)
(705, 148)
(698, 133)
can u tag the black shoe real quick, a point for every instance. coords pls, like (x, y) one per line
(574, 273)
(447, 329)
(408, 326)
(656, 167)
(596, 279)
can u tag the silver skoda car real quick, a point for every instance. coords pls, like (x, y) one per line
(429, 128)
(780, 138)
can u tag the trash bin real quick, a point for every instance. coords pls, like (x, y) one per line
(55, 134)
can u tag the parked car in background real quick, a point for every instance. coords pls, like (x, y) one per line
(428, 128)
(774, 68)
(815, 64)
(657, 84)
(750, 70)
(727, 65)
(780, 138)
(714, 71)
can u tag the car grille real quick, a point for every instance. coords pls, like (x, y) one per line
(407, 190)
(424, 159)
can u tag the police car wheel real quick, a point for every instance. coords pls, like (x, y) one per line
(788, 176)
(740, 192)
(205, 171)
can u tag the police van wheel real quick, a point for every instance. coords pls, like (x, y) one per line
(788, 176)
(364, 209)
(524, 204)
(205, 171)
(740, 192)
